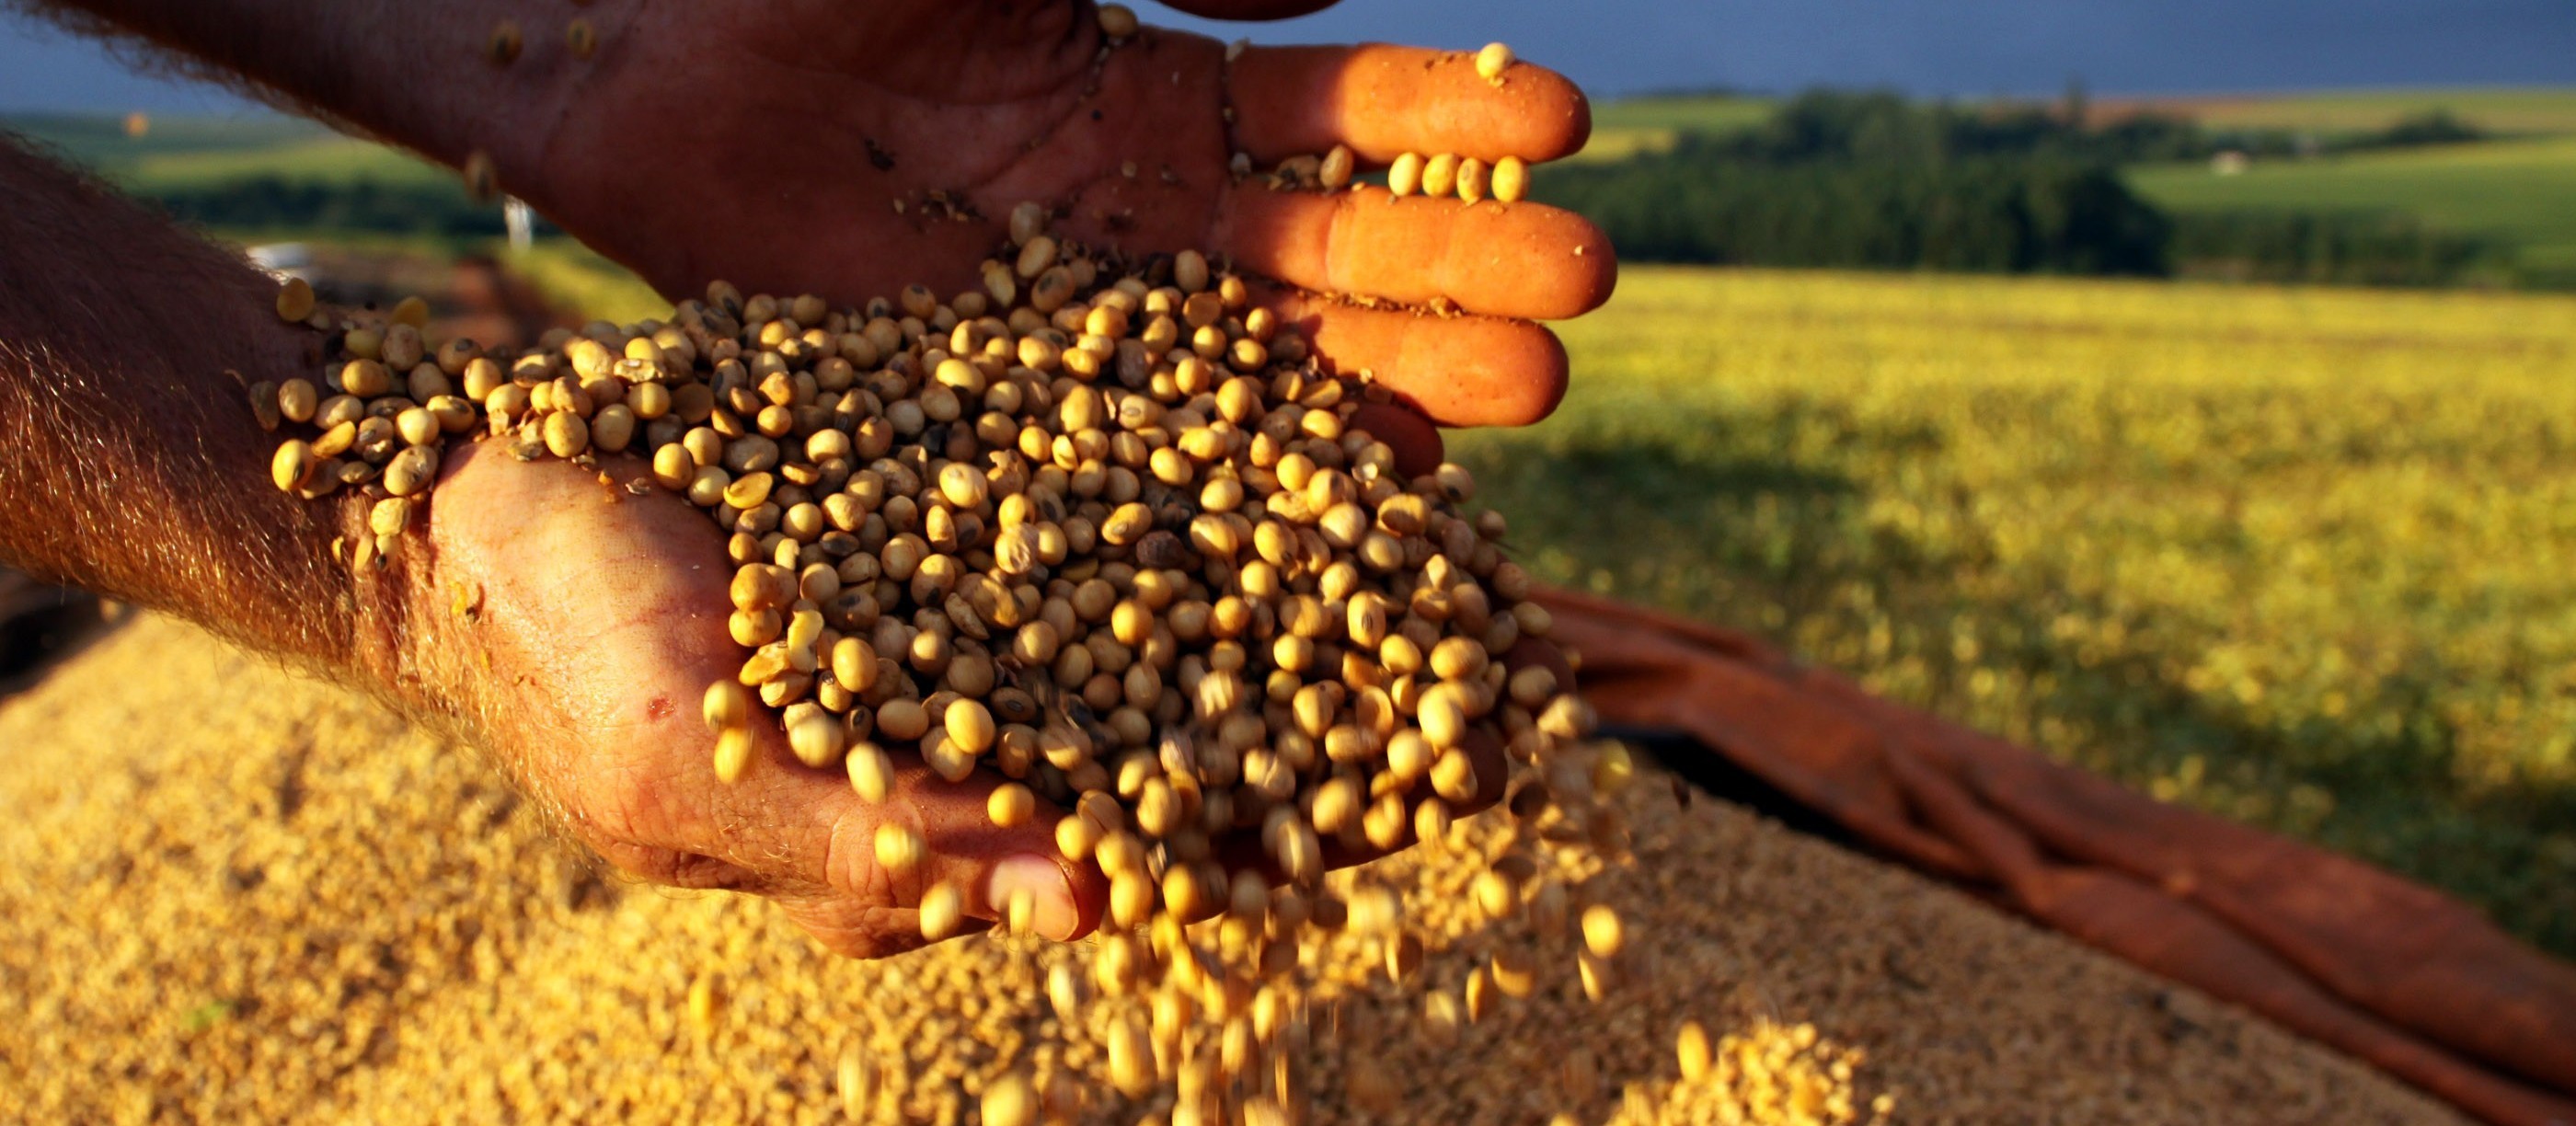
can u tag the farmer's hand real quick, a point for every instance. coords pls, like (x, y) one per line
(818, 147)
(772, 143)
(806, 145)
(581, 625)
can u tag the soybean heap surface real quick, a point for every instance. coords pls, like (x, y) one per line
(232, 894)
(2301, 557)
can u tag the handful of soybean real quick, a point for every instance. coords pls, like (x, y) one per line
(1103, 527)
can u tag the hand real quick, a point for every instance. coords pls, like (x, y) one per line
(772, 144)
(597, 621)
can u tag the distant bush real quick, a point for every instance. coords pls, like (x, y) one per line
(2432, 127)
(1995, 215)
(1880, 125)
(1871, 180)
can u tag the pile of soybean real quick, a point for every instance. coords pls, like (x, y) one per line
(1105, 528)
(292, 906)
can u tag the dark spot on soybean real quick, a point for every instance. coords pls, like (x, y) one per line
(1160, 549)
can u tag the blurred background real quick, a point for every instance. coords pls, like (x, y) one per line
(2184, 387)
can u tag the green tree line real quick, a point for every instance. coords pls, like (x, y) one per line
(1871, 180)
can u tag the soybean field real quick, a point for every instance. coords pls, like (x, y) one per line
(2302, 557)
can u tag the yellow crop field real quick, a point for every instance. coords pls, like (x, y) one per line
(2306, 558)
(2303, 557)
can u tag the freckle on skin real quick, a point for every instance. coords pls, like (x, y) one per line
(659, 709)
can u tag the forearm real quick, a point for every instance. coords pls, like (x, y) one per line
(130, 461)
(419, 75)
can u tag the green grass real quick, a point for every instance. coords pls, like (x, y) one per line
(2297, 557)
(1631, 124)
(2497, 109)
(2521, 192)
(1707, 113)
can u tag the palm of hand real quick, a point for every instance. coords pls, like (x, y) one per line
(817, 147)
(835, 114)
(598, 622)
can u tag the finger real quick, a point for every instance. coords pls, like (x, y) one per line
(1455, 371)
(1247, 10)
(1384, 100)
(1524, 260)
(1417, 445)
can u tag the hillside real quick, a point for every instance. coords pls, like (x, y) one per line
(2515, 110)
(2515, 191)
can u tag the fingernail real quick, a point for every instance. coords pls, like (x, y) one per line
(1042, 880)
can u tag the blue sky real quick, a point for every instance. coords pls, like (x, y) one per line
(1953, 47)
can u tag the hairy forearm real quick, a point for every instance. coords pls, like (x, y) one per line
(417, 75)
(130, 461)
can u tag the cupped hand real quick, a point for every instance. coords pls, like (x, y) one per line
(580, 623)
(848, 150)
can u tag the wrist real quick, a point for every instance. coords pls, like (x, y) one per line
(398, 640)
(363, 614)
